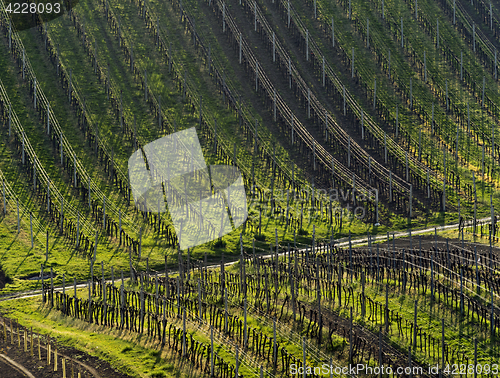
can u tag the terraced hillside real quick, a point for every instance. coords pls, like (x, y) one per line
(347, 119)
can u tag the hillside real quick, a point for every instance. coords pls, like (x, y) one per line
(132, 133)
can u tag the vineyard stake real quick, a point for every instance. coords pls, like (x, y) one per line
(484, 85)
(275, 347)
(184, 349)
(474, 36)
(288, 13)
(468, 117)
(256, 75)
(483, 161)
(22, 153)
(362, 125)
(402, 34)
(212, 352)
(18, 225)
(10, 35)
(495, 66)
(411, 93)
(343, 91)
(397, 120)
(383, 10)
(245, 331)
(146, 85)
(411, 200)
(352, 65)
(425, 67)
(385, 147)
(3, 197)
(380, 348)
(350, 338)
(437, 32)
(420, 144)
(255, 13)
(70, 85)
(389, 67)
(415, 327)
(10, 118)
(390, 186)
(349, 152)
(51, 287)
(48, 119)
(308, 103)
(447, 102)
(367, 32)
(407, 170)
(374, 93)
(307, 45)
(31, 228)
(454, 13)
(240, 48)
(304, 340)
(350, 255)
(322, 70)
(333, 29)
(461, 65)
(386, 307)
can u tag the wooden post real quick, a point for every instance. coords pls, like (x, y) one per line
(245, 330)
(31, 228)
(397, 120)
(437, 33)
(411, 93)
(274, 47)
(3, 198)
(308, 102)
(349, 151)
(468, 117)
(352, 60)
(78, 230)
(10, 118)
(425, 66)
(447, 102)
(461, 65)
(495, 65)
(351, 338)
(411, 200)
(407, 167)
(420, 144)
(484, 85)
(323, 70)
(343, 91)
(275, 346)
(385, 147)
(367, 32)
(402, 34)
(304, 339)
(474, 36)
(18, 223)
(240, 48)
(211, 351)
(274, 105)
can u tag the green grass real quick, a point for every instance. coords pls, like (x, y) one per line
(132, 354)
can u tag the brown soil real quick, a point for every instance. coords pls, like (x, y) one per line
(76, 360)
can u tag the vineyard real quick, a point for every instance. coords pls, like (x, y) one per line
(366, 138)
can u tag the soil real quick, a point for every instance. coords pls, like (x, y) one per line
(76, 360)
